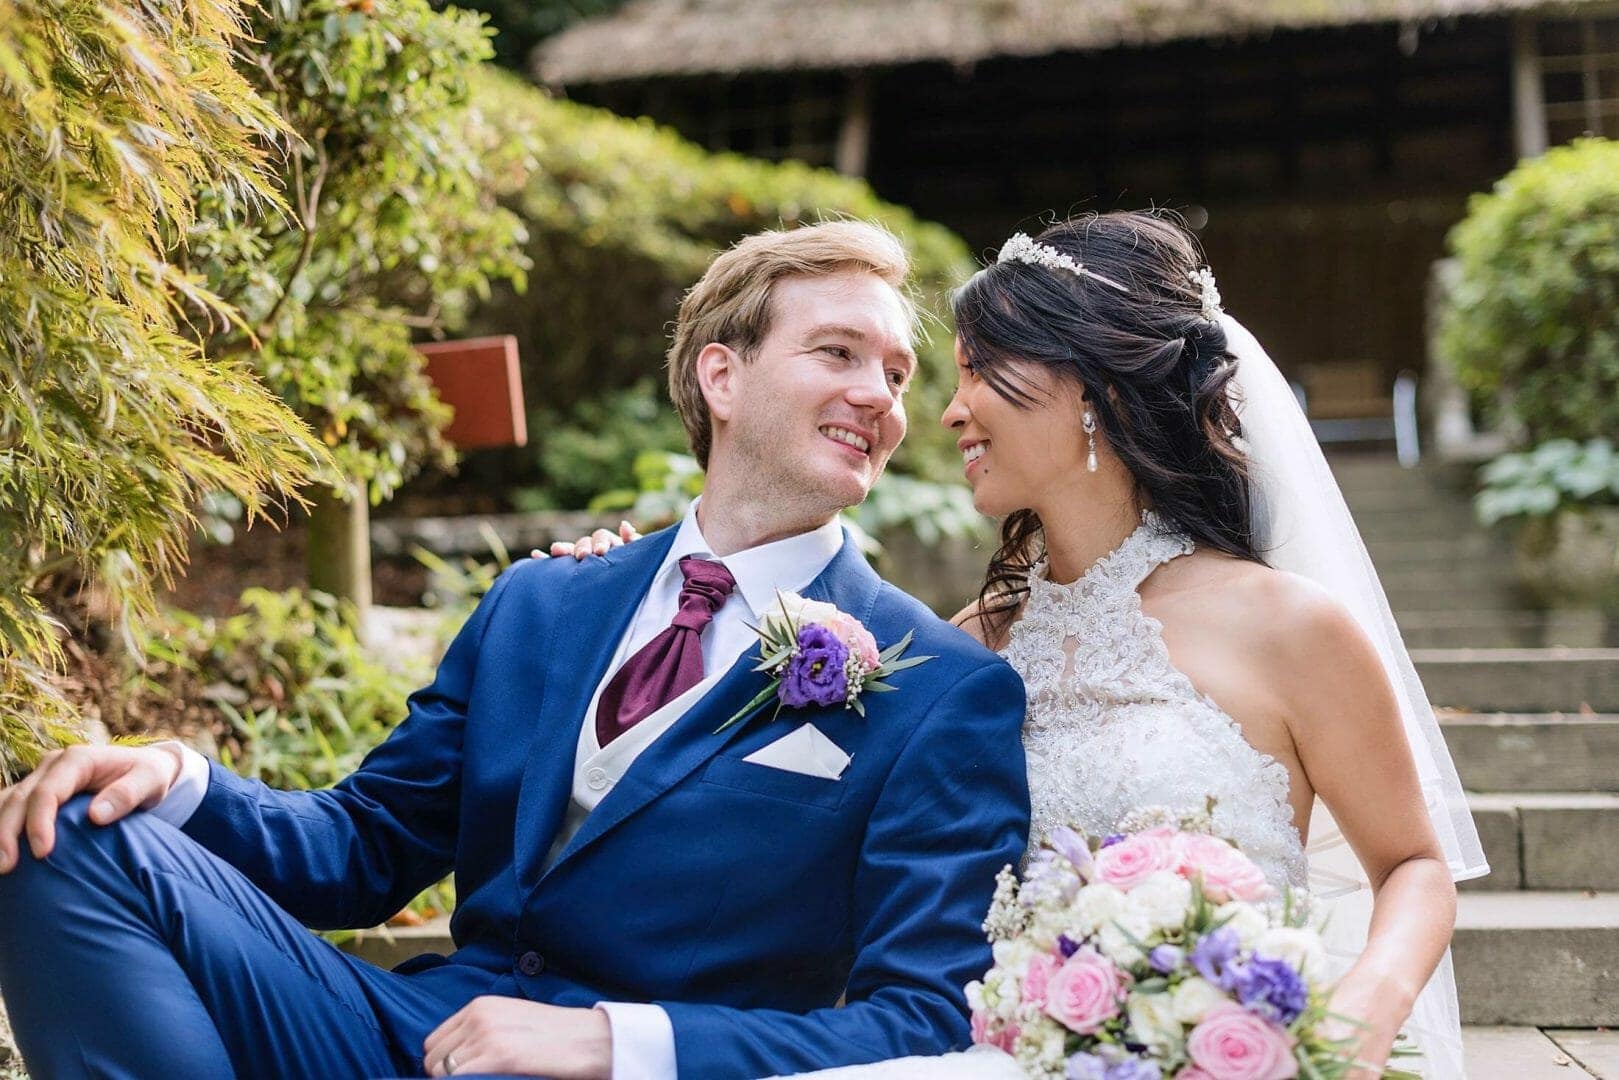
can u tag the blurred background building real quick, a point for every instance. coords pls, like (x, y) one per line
(1322, 150)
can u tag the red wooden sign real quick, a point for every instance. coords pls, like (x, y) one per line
(479, 378)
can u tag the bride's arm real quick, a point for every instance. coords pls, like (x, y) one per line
(1351, 743)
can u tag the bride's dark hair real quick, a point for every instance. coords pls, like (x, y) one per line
(1153, 369)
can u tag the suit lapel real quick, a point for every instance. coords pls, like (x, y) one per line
(593, 614)
(847, 582)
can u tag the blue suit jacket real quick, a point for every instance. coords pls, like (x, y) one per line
(741, 898)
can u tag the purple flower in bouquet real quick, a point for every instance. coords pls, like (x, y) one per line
(1071, 846)
(1067, 945)
(1270, 988)
(815, 675)
(1113, 838)
(1083, 1066)
(1166, 958)
(1213, 954)
(1132, 1068)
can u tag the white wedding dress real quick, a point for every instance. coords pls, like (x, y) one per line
(1112, 726)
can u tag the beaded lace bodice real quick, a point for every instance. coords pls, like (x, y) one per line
(1113, 726)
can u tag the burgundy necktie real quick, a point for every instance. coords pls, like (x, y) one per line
(671, 663)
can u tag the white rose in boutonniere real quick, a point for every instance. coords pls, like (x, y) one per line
(818, 655)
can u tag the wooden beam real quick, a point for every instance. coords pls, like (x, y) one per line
(853, 152)
(1528, 90)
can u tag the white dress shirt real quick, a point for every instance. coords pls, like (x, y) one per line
(643, 1038)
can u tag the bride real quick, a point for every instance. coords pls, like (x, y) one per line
(1182, 590)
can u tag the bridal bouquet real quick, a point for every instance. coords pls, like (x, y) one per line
(1160, 952)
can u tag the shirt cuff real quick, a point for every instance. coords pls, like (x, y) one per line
(643, 1041)
(185, 794)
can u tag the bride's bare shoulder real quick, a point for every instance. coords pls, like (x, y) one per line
(1267, 607)
(1290, 625)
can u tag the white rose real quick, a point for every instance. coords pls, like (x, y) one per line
(791, 606)
(1246, 920)
(1000, 995)
(1115, 937)
(1097, 905)
(1301, 949)
(1154, 1023)
(1047, 924)
(1192, 999)
(1163, 896)
(1012, 955)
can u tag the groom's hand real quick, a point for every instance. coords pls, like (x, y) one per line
(511, 1035)
(127, 777)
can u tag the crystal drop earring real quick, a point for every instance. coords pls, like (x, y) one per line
(1089, 424)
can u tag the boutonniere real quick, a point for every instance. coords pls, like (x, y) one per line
(818, 655)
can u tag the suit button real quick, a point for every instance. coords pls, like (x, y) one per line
(531, 963)
(596, 779)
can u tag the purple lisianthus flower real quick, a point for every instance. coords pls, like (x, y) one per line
(1071, 846)
(1112, 838)
(1166, 958)
(814, 675)
(1133, 1068)
(1067, 945)
(1270, 988)
(1213, 956)
(1083, 1066)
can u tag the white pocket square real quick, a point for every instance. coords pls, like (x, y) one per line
(803, 750)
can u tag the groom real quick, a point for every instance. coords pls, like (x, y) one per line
(639, 896)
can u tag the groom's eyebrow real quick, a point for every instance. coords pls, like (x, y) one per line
(902, 353)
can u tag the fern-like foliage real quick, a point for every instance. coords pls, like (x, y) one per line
(113, 419)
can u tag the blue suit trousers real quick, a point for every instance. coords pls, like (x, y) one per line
(132, 951)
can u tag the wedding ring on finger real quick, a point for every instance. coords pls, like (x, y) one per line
(449, 1064)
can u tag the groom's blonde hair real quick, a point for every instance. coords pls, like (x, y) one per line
(731, 304)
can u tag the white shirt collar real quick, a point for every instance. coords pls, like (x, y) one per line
(787, 565)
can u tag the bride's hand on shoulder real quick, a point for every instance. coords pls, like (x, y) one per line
(599, 542)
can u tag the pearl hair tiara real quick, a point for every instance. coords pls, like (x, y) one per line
(1021, 248)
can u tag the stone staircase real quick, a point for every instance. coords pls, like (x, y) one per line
(1529, 704)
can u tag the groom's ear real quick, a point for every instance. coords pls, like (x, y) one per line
(717, 367)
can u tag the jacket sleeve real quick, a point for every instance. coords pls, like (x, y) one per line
(354, 854)
(953, 812)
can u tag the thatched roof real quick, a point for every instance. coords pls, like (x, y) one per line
(694, 37)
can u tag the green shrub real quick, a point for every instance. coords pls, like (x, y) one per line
(1555, 475)
(300, 700)
(623, 216)
(594, 451)
(295, 699)
(395, 227)
(1533, 321)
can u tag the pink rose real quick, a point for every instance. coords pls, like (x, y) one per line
(1038, 977)
(1126, 864)
(847, 629)
(1227, 873)
(996, 1033)
(1085, 992)
(1232, 1043)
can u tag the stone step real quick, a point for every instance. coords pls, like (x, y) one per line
(1527, 1053)
(1499, 629)
(1561, 840)
(1538, 958)
(1382, 526)
(1460, 589)
(1521, 680)
(1597, 1052)
(1472, 545)
(1507, 752)
(389, 946)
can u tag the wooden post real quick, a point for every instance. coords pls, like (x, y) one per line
(1528, 90)
(339, 557)
(854, 134)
